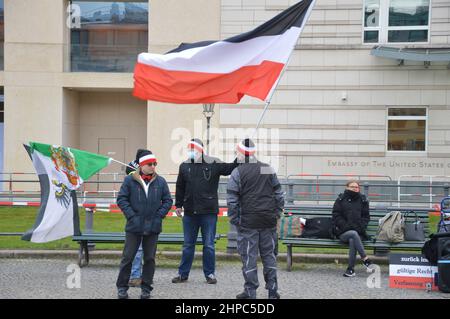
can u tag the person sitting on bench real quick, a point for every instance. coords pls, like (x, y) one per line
(350, 219)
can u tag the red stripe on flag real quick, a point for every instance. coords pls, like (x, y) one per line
(152, 83)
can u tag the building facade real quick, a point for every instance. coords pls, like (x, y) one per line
(366, 91)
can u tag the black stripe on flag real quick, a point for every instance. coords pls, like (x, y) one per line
(45, 192)
(291, 17)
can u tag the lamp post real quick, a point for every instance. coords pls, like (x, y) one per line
(208, 112)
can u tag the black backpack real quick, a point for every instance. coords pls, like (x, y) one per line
(430, 250)
(318, 227)
(431, 247)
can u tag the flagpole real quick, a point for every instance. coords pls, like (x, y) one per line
(113, 160)
(271, 94)
(308, 13)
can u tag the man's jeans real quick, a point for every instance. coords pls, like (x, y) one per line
(191, 225)
(136, 268)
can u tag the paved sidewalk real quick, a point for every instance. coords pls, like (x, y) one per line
(47, 278)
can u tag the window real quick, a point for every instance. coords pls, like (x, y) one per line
(110, 36)
(396, 21)
(407, 129)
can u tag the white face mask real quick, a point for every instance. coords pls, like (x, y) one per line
(193, 154)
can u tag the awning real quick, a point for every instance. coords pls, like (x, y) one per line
(423, 54)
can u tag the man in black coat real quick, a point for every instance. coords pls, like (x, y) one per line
(196, 193)
(145, 200)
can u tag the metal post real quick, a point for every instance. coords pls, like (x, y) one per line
(208, 125)
(366, 189)
(232, 240)
(89, 226)
(446, 189)
(291, 194)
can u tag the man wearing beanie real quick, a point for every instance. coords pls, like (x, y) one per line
(145, 200)
(255, 201)
(196, 193)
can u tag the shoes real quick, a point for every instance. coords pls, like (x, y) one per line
(145, 294)
(122, 294)
(243, 295)
(349, 272)
(135, 282)
(369, 265)
(274, 295)
(211, 279)
(178, 279)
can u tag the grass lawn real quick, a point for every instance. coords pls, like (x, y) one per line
(20, 219)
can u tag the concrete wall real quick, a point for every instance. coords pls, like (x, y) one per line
(171, 126)
(319, 131)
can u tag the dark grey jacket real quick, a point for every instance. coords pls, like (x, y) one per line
(254, 196)
(144, 214)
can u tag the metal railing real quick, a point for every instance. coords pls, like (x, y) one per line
(299, 189)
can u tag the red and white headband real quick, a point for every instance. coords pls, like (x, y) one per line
(146, 159)
(195, 145)
(247, 151)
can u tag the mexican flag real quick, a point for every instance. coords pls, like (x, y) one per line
(61, 171)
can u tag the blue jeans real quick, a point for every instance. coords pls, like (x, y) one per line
(136, 268)
(207, 225)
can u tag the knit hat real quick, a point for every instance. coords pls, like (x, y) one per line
(146, 157)
(246, 147)
(139, 153)
(196, 144)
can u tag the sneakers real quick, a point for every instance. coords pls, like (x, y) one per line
(274, 295)
(178, 279)
(122, 294)
(135, 282)
(243, 295)
(349, 273)
(145, 294)
(211, 279)
(369, 265)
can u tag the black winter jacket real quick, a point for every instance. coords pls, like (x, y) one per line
(197, 185)
(144, 214)
(351, 212)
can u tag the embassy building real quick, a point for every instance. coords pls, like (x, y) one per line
(366, 91)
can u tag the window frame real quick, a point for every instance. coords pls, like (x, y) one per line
(384, 28)
(406, 118)
(70, 65)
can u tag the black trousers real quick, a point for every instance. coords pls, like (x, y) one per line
(132, 242)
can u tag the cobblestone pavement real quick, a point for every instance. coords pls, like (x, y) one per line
(41, 278)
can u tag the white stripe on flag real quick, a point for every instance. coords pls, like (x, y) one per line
(226, 57)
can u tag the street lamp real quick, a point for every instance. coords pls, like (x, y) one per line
(208, 112)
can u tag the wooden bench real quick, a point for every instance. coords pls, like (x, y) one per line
(375, 215)
(97, 237)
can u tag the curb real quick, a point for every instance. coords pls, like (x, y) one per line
(175, 255)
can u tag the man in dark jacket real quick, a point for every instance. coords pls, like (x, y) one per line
(255, 201)
(350, 219)
(196, 192)
(145, 200)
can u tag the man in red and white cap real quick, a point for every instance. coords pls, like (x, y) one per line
(255, 200)
(196, 193)
(145, 200)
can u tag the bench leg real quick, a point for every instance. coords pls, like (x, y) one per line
(83, 254)
(289, 257)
